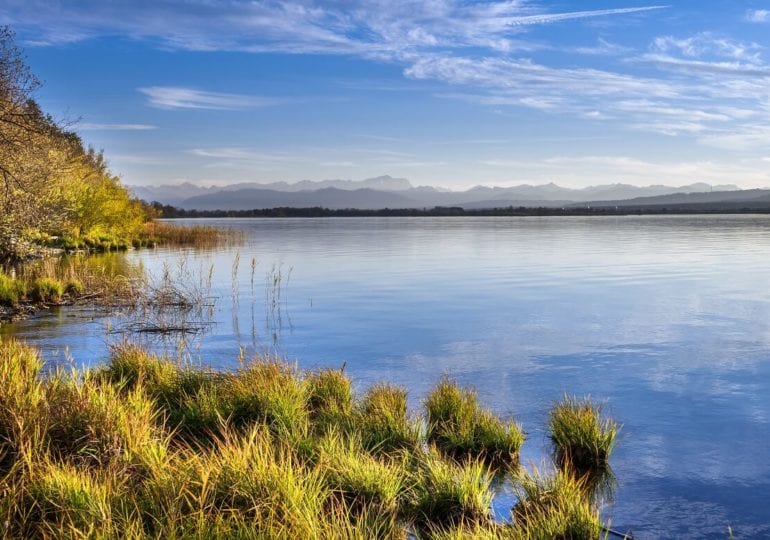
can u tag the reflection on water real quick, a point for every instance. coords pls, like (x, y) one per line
(667, 318)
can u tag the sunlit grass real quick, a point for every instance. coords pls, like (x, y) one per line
(581, 437)
(554, 506)
(146, 448)
(461, 428)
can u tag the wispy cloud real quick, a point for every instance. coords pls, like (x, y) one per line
(573, 170)
(603, 48)
(758, 15)
(373, 28)
(548, 18)
(115, 127)
(175, 97)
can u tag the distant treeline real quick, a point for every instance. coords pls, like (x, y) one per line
(168, 211)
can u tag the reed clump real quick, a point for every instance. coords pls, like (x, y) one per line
(69, 279)
(554, 505)
(144, 447)
(582, 438)
(461, 428)
(197, 236)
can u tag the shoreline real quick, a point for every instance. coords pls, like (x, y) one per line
(170, 213)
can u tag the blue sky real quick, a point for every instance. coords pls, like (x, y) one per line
(443, 92)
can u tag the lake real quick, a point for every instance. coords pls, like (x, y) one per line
(665, 319)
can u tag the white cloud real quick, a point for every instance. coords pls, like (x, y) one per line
(373, 28)
(602, 169)
(603, 48)
(758, 15)
(709, 45)
(175, 97)
(115, 127)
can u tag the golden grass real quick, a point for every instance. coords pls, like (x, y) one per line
(145, 448)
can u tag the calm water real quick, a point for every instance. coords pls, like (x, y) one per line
(665, 318)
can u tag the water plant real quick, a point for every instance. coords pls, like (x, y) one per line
(461, 428)
(383, 421)
(12, 290)
(449, 493)
(145, 447)
(581, 437)
(554, 505)
(46, 290)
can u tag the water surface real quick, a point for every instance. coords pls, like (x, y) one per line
(667, 319)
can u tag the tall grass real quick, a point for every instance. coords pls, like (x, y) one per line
(144, 447)
(450, 493)
(198, 236)
(383, 422)
(554, 506)
(461, 428)
(582, 438)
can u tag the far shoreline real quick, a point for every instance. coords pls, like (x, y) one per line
(172, 213)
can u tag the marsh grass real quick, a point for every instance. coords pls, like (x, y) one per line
(382, 420)
(361, 480)
(146, 447)
(461, 428)
(76, 278)
(450, 493)
(582, 438)
(330, 400)
(197, 236)
(554, 505)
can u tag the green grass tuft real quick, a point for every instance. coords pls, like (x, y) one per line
(12, 291)
(449, 493)
(358, 478)
(554, 506)
(461, 428)
(146, 448)
(330, 400)
(383, 422)
(581, 438)
(46, 290)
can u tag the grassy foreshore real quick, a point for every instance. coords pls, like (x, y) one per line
(145, 448)
(51, 280)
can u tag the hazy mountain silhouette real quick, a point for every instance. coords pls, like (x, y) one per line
(388, 192)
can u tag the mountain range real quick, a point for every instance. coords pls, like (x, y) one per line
(389, 192)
